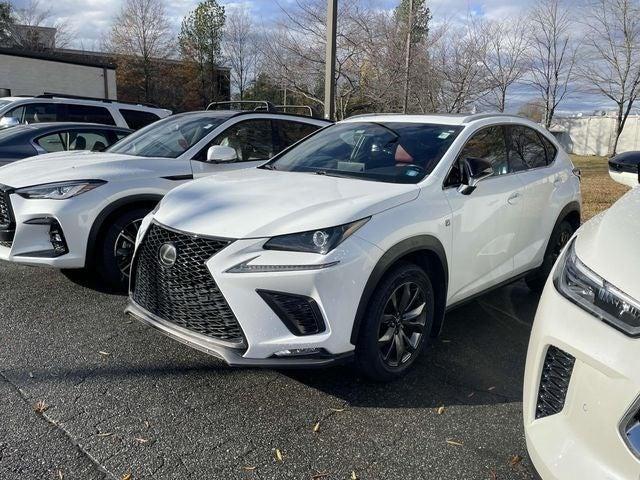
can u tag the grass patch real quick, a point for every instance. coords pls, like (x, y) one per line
(599, 192)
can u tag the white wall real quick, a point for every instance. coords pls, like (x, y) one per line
(31, 76)
(595, 135)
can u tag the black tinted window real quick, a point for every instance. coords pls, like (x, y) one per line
(526, 150)
(251, 139)
(292, 132)
(137, 119)
(88, 114)
(43, 112)
(488, 144)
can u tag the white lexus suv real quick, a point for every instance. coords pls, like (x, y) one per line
(582, 381)
(355, 241)
(72, 210)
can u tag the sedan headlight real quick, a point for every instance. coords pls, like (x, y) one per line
(59, 190)
(315, 241)
(579, 284)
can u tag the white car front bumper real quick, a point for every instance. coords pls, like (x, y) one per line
(30, 240)
(335, 291)
(585, 439)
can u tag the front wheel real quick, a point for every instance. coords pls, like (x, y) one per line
(115, 252)
(397, 324)
(559, 238)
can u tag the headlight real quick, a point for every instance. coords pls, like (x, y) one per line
(60, 190)
(315, 241)
(575, 281)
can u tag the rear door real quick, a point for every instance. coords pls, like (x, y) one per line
(532, 158)
(485, 224)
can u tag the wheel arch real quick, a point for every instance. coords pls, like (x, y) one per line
(424, 250)
(111, 211)
(572, 213)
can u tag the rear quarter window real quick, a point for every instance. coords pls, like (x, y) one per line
(136, 119)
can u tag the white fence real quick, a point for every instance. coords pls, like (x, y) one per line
(595, 135)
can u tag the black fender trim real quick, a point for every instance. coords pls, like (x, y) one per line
(405, 247)
(108, 210)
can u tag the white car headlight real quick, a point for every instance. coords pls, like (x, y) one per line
(588, 290)
(59, 190)
(320, 241)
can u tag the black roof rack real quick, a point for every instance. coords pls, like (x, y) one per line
(95, 99)
(259, 105)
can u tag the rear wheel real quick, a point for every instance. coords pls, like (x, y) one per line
(559, 238)
(397, 324)
(116, 250)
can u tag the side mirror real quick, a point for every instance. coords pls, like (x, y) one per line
(623, 168)
(476, 170)
(6, 122)
(221, 154)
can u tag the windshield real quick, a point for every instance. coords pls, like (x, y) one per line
(168, 138)
(4, 102)
(395, 152)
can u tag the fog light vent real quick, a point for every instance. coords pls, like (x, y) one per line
(554, 382)
(300, 314)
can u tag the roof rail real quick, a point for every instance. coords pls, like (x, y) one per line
(365, 115)
(95, 99)
(260, 104)
(284, 108)
(481, 116)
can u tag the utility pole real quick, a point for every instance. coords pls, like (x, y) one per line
(407, 60)
(330, 61)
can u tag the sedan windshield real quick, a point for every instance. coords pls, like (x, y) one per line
(170, 137)
(395, 152)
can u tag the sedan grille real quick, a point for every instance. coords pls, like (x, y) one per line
(554, 382)
(183, 293)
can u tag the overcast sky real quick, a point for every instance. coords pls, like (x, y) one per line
(90, 20)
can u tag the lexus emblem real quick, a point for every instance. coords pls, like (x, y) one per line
(168, 254)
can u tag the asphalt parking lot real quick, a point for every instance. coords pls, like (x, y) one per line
(118, 400)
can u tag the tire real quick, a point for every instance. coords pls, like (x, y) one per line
(559, 238)
(391, 325)
(119, 237)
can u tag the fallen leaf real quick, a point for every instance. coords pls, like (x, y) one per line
(337, 409)
(445, 341)
(147, 424)
(105, 434)
(248, 468)
(60, 475)
(106, 354)
(30, 374)
(319, 475)
(440, 410)
(316, 427)
(453, 442)
(471, 394)
(41, 406)
(491, 388)
(126, 476)
(515, 460)
(493, 475)
(279, 455)
(353, 475)
(141, 440)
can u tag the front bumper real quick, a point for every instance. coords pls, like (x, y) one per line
(335, 292)
(584, 440)
(28, 240)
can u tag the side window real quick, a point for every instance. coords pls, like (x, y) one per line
(526, 150)
(550, 148)
(137, 119)
(54, 142)
(17, 112)
(42, 112)
(89, 114)
(88, 140)
(488, 144)
(291, 132)
(251, 139)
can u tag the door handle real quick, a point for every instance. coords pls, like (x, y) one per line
(513, 198)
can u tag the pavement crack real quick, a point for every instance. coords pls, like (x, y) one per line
(74, 441)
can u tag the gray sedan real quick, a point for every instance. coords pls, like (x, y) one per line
(24, 141)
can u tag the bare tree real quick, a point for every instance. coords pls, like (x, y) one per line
(29, 23)
(240, 46)
(140, 35)
(551, 55)
(505, 44)
(612, 47)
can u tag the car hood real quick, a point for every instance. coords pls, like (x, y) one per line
(261, 203)
(62, 166)
(608, 244)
